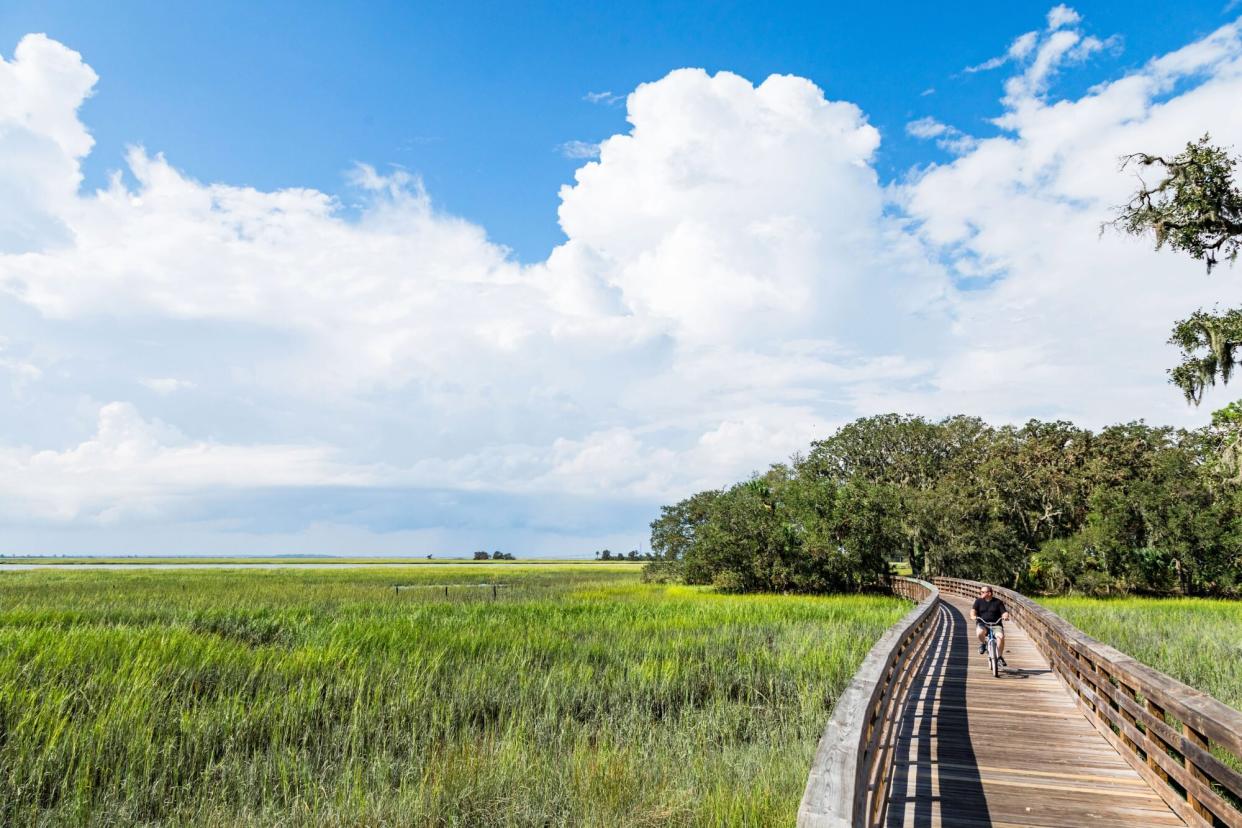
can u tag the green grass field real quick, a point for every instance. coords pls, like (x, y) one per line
(579, 697)
(1196, 640)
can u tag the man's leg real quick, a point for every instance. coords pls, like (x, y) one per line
(981, 633)
(1000, 641)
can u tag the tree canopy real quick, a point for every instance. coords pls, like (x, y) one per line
(1195, 207)
(1044, 506)
(1208, 343)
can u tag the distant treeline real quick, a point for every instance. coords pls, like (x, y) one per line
(1045, 507)
(481, 555)
(634, 555)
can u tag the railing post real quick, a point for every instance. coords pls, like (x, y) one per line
(1128, 716)
(1199, 740)
(1156, 742)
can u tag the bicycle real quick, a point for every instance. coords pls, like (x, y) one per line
(994, 656)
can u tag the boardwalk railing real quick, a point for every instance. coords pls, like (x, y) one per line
(849, 779)
(1180, 740)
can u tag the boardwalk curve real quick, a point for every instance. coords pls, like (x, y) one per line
(1073, 733)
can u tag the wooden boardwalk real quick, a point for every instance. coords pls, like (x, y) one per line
(975, 750)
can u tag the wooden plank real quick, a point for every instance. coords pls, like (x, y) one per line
(1190, 744)
(1142, 713)
(1074, 733)
(1123, 778)
(979, 750)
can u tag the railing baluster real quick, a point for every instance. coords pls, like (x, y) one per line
(1128, 716)
(1199, 740)
(1155, 743)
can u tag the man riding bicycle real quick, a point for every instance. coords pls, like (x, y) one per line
(990, 610)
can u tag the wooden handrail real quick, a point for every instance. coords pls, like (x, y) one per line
(848, 783)
(1172, 734)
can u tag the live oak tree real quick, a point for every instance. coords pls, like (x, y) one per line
(1194, 207)
(1208, 343)
(1046, 505)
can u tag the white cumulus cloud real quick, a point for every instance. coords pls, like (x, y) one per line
(1073, 322)
(735, 280)
(735, 234)
(132, 466)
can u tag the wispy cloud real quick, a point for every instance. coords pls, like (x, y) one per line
(1061, 16)
(947, 137)
(1018, 50)
(166, 385)
(578, 149)
(606, 98)
(1041, 54)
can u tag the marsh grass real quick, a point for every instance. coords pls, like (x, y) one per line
(578, 697)
(1198, 641)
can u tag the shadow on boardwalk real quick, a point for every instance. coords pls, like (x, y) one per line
(974, 750)
(937, 768)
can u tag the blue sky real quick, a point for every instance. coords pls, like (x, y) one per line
(477, 97)
(302, 278)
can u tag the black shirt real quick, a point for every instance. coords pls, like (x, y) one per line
(990, 610)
